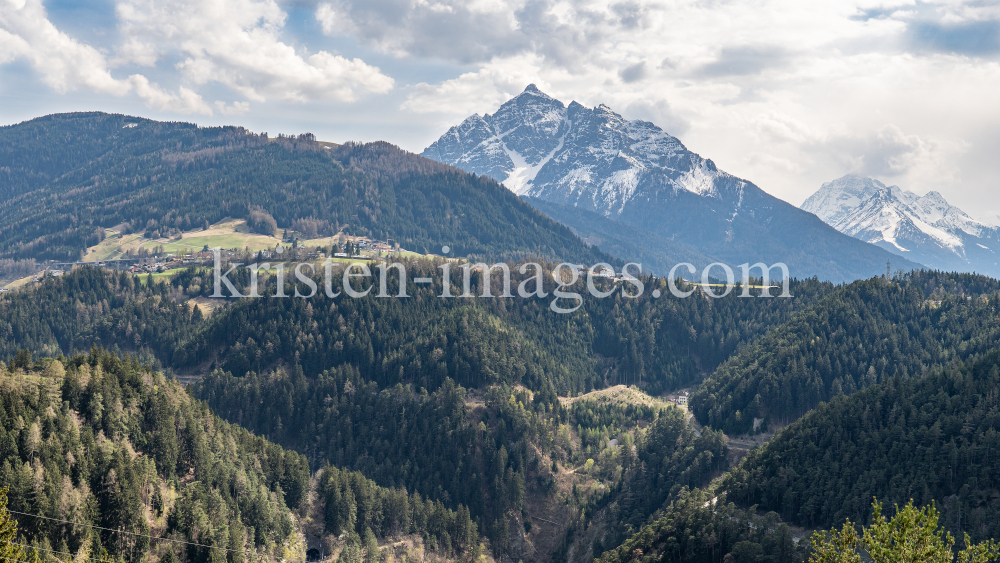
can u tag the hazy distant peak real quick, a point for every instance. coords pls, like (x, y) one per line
(924, 228)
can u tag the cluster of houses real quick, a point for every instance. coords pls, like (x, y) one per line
(601, 272)
(365, 247)
(364, 243)
(144, 265)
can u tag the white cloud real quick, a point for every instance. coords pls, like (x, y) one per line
(893, 155)
(136, 51)
(451, 29)
(185, 101)
(232, 42)
(64, 63)
(237, 108)
(633, 72)
(785, 93)
(236, 43)
(473, 91)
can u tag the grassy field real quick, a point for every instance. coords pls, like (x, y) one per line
(619, 395)
(113, 246)
(21, 282)
(227, 234)
(157, 276)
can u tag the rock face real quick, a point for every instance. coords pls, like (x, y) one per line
(635, 173)
(924, 229)
(573, 155)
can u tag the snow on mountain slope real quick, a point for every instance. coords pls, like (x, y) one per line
(835, 200)
(592, 157)
(926, 228)
(633, 172)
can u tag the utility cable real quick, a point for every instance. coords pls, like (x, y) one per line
(57, 552)
(151, 537)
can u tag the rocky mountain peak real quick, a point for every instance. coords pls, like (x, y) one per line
(596, 161)
(924, 228)
(573, 154)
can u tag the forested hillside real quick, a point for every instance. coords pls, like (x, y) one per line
(101, 441)
(65, 178)
(440, 417)
(369, 388)
(866, 333)
(486, 456)
(91, 306)
(399, 437)
(665, 459)
(928, 439)
(663, 343)
(701, 527)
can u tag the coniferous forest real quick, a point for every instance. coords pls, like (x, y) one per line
(141, 420)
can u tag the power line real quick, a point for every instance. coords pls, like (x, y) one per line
(147, 536)
(57, 552)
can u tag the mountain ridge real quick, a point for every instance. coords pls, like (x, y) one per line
(65, 178)
(926, 229)
(635, 173)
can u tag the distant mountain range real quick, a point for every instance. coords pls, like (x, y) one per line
(924, 229)
(632, 172)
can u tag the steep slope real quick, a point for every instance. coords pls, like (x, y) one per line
(104, 442)
(924, 229)
(927, 439)
(64, 178)
(427, 443)
(703, 527)
(862, 334)
(129, 449)
(634, 173)
(656, 254)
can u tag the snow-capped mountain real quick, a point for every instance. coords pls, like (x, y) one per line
(925, 229)
(634, 172)
(538, 147)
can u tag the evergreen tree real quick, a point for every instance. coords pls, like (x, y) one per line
(912, 535)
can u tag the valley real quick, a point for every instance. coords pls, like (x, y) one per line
(546, 469)
(143, 420)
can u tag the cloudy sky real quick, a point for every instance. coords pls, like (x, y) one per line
(786, 93)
